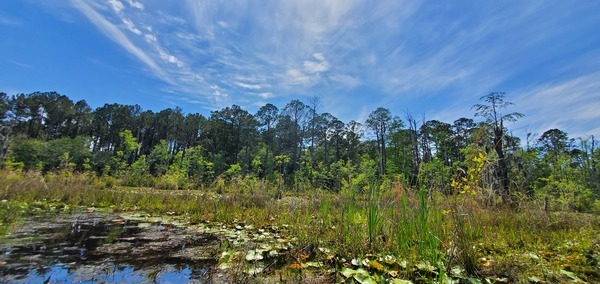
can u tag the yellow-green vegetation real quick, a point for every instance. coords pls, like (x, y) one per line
(388, 233)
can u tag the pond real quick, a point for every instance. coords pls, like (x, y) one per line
(105, 248)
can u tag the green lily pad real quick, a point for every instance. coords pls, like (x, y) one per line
(426, 267)
(348, 272)
(144, 225)
(255, 270)
(400, 281)
(254, 255)
(570, 275)
(313, 264)
(364, 278)
(376, 265)
(457, 271)
(534, 279)
(389, 259)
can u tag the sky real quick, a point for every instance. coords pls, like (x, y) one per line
(432, 59)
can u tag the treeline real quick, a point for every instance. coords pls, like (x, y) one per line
(298, 147)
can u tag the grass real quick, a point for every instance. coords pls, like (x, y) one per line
(385, 233)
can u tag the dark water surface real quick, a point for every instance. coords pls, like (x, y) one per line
(100, 248)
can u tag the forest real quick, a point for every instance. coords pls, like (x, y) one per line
(435, 192)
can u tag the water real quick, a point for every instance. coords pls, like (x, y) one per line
(93, 248)
(117, 274)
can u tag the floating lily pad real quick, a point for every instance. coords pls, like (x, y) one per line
(426, 267)
(312, 264)
(400, 281)
(376, 265)
(255, 270)
(254, 255)
(144, 225)
(457, 272)
(364, 278)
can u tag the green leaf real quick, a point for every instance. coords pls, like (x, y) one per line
(389, 259)
(254, 255)
(534, 279)
(457, 271)
(376, 265)
(400, 281)
(426, 267)
(313, 264)
(570, 275)
(144, 225)
(348, 272)
(255, 270)
(364, 278)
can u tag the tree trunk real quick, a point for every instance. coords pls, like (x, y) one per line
(502, 173)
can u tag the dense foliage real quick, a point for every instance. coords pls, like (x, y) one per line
(299, 147)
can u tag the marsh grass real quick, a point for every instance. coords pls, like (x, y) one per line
(445, 232)
(373, 214)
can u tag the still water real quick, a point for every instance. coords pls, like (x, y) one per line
(97, 248)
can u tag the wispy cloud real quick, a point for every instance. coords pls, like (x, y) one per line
(17, 63)
(135, 4)
(116, 5)
(9, 21)
(131, 27)
(401, 52)
(248, 86)
(568, 105)
(115, 34)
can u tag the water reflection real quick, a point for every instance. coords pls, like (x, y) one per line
(117, 274)
(91, 248)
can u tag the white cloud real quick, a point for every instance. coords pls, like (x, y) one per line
(312, 67)
(571, 105)
(248, 86)
(18, 63)
(295, 77)
(347, 81)
(223, 24)
(115, 34)
(135, 4)
(9, 21)
(254, 79)
(319, 56)
(131, 27)
(116, 5)
(169, 58)
(150, 38)
(218, 91)
(266, 95)
(397, 50)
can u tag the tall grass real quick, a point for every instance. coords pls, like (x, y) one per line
(373, 213)
(446, 232)
(428, 222)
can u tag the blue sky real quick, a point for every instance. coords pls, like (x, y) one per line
(431, 58)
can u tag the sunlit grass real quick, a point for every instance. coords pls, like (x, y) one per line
(455, 232)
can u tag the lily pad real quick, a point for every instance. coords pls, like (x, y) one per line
(313, 264)
(400, 281)
(255, 270)
(144, 225)
(254, 255)
(364, 278)
(570, 275)
(426, 267)
(376, 265)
